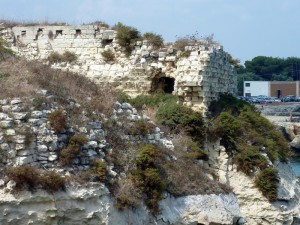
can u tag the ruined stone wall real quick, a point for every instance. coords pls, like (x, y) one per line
(197, 79)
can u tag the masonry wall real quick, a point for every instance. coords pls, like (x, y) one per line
(198, 79)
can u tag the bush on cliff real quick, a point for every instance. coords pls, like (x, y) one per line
(108, 55)
(246, 135)
(4, 50)
(267, 182)
(68, 154)
(155, 40)
(57, 120)
(31, 178)
(126, 36)
(67, 56)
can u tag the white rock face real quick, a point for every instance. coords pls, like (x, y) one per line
(255, 208)
(94, 206)
(204, 209)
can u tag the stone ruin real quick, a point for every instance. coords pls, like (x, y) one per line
(196, 79)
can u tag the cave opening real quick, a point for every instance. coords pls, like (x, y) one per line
(163, 85)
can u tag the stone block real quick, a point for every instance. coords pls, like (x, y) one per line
(6, 123)
(92, 144)
(3, 102)
(6, 108)
(15, 101)
(24, 160)
(19, 147)
(91, 153)
(10, 132)
(42, 148)
(37, 114)
(52, 157)
(25, 152)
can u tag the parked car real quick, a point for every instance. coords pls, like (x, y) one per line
(289, 98)
(275, 99)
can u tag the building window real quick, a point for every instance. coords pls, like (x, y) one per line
(247, 84)
(58, 32)
(78, 33)
(23, 33)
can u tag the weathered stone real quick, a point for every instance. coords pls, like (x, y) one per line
(6, 123)
(25, 152)
(10, 132)
(20, 116)
(42, 148)
(24, 160)
(52, 157)
(20, 147)
(15, 101)
(126, 106)
(37, 114)
(91, 153)
(3, 102)
(92, 144)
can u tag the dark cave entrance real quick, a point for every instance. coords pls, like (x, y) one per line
(163, 85)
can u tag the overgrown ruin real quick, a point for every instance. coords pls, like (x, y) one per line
(196, 74)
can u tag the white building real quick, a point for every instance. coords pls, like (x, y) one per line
(271, 88)
(256, 88)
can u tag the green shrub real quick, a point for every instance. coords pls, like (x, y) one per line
(151, 100)
(4, 75)
(98, 23)
(28, 137)
(227, 102)
(267, 182)
(195, 127)
(146, 156)
(99, 169)
(155, 40)
(57, 120)
(227, 127)
(151, 184)
(108, 55)
(5, 51)
(147, 176)
(78, 139)
(39, 103)
(141, 127)
(249, 160)
(52, 182)
(55, 57)
(185, 54)
(124, 201)
(26, 177)
(195, 152)
(30, 178)
(68, 154)
(173, 115)
(69, 57)
(126, 36)
(181, 43)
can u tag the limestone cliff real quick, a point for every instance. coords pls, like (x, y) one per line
(253, 205)
(92, 205)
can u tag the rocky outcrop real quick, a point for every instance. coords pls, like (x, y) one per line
(253, 205)
(92, 205)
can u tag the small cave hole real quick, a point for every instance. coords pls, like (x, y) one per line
(163, 85)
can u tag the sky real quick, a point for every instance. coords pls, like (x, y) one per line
(246, 29)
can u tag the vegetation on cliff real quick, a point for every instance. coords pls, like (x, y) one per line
(144, 171)
(249, 138)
